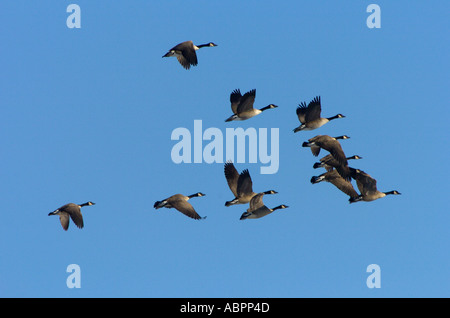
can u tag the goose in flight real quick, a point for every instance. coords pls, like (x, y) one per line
(180, 203)
(257, 209)
(71, 211)
(242, 106)
(335, 178)
(309, 116)
(368, 187)
(333, 146)
(241, 185)
(185, 53)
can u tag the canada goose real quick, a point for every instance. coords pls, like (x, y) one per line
(328, 162)
(185, 53)
(73, 211)
(325, 141)
(241, 185)
(257, 208)
(368, 187)
(333, 146)
(179, 202)
(242, 106)
(335, 178)
(309, 116)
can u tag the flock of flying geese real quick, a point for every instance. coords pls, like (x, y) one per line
(336, 163)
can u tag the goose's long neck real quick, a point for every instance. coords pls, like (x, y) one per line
(84, 204)
(265, 108)
(200, 46)
(279, 207)
(334, 117)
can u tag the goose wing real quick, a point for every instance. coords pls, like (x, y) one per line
(247, 101)
(342, 184)
(314, 110)
(334, 148)
(301, 112)
(64, 219)
(344, 171)
(358, 178)
(235, 99)
(75, 213)
(232, 176)
(186, 208)
(329, 162)
(186, 54)
(366, 184)
(256, 202)
(315, 148)
(245, 184)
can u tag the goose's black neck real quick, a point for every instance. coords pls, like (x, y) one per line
(391, 192)
(279, 207)
(265, 108)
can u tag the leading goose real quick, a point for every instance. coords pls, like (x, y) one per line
(185, 53)
(368, 187)
(242, 106)
(179, 202)
(309, 116)
(71, 211)
(333, 146)
(257, 208)
(335, 178)
(241, 185)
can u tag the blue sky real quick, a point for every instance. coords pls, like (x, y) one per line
(87, 115)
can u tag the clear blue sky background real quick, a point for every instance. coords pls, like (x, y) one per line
(87, 114)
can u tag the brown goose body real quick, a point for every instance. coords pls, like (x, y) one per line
(185, 53)
(71, 211)
(242, 105)
(180, 203)
(309, 116)
(257, 209)
(368, 187)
